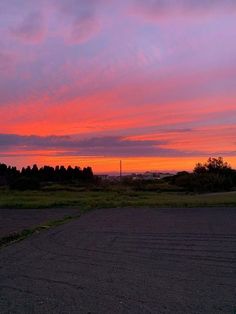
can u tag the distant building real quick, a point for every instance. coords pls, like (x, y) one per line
(150, 176)
(164, 175)
(102, 176)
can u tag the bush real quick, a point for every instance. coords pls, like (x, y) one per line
(204, 182)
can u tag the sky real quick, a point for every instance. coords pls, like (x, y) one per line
(90, 82)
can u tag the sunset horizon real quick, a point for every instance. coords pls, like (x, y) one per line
(90, 83)
(111, 166)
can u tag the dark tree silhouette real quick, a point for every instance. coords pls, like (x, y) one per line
(213, 165)
(212, 176)
(31, 178)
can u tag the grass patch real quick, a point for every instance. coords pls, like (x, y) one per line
(19, 236)
(120, 197)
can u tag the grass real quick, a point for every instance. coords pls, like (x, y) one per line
(16, 237)
(110, 198)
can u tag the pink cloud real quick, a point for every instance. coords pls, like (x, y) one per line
(31, 28)
(79, 20)
(8, 62)
(84, 30)
(158, 9)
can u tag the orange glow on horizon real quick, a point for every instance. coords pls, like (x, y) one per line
(111, 164)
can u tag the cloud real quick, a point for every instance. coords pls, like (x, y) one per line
(8, 61)
(30, 21)
(80, 18)
(96, 146)
(27, 141)
(107, 146)
(31, 29)
(168, 8)
(83, 29)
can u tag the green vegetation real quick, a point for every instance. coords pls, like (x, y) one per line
(115, 196)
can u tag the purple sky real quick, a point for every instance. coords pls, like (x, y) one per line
(130, 79)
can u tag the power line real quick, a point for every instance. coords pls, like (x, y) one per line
(120, 169)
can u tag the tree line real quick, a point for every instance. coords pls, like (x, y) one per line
(212, 176)
(33, 177)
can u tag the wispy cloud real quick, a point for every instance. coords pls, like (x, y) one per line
(169, 8)
(107, 146)
(8, 61)
(84, 29)
(31, 28)
(79, 19)
(96, 146)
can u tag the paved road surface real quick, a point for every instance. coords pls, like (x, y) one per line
(125, 261)
(15, 220)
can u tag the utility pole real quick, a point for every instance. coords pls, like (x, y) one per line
(120, 169)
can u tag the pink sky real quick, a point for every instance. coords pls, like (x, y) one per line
(150, 82)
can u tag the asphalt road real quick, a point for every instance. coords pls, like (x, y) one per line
(16, 220)
(125, 261)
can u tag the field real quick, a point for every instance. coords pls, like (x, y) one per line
(118, 196)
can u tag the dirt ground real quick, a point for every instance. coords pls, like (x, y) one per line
(125, 261)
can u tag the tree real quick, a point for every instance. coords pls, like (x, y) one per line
(33, 178)
(214, 175)
(3, 169)
(199, 168)
(213, 165)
